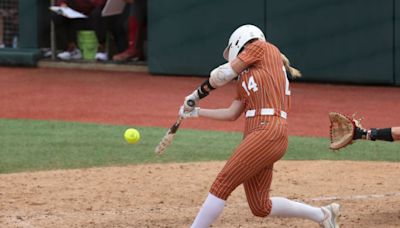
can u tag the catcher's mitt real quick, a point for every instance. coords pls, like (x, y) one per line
(344, 130)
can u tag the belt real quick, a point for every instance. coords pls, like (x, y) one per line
(267, 112)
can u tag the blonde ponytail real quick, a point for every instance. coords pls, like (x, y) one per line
(293, 71)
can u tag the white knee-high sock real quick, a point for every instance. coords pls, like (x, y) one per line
(209, 212)
(287, 208)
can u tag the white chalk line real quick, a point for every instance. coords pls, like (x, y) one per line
(17, 221)
(355, 197)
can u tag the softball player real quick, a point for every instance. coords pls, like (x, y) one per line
(263, 95)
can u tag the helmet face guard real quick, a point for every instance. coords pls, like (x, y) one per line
(239, 38)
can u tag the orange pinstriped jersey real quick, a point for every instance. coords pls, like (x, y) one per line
(264, 84)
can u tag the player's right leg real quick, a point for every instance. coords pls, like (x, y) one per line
(332, 213)
(257, 193)
(261, 205)
(326, 216)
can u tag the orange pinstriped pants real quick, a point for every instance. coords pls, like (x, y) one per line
(252, 164)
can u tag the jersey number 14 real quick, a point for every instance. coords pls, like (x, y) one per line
(252, 85)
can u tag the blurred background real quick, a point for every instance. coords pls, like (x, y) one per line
(335, 41)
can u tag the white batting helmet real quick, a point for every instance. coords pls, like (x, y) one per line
(239, 38)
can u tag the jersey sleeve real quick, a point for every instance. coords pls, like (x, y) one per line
(252, 53)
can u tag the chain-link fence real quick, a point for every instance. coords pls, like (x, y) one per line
(9, 23)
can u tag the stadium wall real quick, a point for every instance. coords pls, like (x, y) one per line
(342, 41)
(330, 41)
(396, 57)
(31, 21)
(188, 37)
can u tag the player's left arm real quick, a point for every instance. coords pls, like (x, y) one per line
(219, 77)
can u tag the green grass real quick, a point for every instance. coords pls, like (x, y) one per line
(311, 148)
(30, 145)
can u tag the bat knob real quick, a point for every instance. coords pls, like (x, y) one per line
(190, 103)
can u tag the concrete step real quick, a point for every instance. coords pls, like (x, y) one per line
(92, 65)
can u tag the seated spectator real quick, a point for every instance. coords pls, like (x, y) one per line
(66, 28)
(116, 25)
(137, 32)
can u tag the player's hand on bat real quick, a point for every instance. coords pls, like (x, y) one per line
(184, 113)
(191, 101)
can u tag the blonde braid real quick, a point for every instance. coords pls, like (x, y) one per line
(293, 71)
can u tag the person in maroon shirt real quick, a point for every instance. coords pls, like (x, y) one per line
(66, 28)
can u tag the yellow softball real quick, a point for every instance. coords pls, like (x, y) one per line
(132, 135)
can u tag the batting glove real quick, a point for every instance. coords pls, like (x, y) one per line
(188, 114)
(194, 97)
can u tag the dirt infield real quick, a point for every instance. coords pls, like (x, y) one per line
(170, 195)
